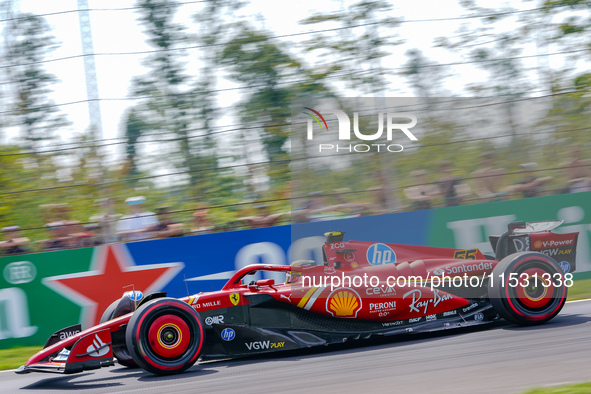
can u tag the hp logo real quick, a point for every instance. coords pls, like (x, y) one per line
(228, 334)
(378, 254)
(564, 266)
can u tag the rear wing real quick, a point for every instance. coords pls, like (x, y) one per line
(538, 237)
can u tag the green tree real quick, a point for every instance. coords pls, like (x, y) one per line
(275, 78)
(134, 127)
(30, 41)
(171, 107)
(353, 51)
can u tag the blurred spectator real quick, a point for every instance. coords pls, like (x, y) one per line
(380, 193)
(106, 221)
(90, 236)
(310, 210)
(59, 238)
(55, 212)
(345, 209)
(340, 196)
(577, 172)
(530, 185)
(13, 243)
(263, 217)
(450, 187)
(201, 221)
(134, 226)
(81, 236)
(488, 180)
(166, 227)
(422, 194)
(317, 209)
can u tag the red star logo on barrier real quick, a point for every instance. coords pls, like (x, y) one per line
(112, 272)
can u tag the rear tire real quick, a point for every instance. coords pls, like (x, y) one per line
(165, 336)
(527, 302)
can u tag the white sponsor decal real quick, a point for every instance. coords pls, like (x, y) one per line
(261, 345)
(468, 268)
(214, 320)
(382, 306)
(209, 304)
(549, 244)
(20, 272)
(466, 309)
(98, 347)
(68, 334)
(392, 323)
(381, 291)
(329, 269)
(417, 301)
(521, 244)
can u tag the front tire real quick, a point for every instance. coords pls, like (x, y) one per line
(165, 336)
(527, 288)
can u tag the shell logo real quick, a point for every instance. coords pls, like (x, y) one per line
(343, 302)
(538, 244)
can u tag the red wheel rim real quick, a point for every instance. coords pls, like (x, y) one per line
(538, 292)
(169, 336)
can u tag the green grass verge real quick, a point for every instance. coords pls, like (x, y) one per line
(15, 357)
(581, 289)
(583, 388)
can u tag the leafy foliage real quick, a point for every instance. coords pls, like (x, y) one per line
(32, 109)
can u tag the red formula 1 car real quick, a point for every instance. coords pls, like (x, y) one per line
(362, 289)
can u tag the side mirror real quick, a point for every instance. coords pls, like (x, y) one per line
(265, 282)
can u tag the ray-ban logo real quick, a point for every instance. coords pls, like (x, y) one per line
(395, 122)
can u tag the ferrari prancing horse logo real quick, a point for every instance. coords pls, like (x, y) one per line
(235, 298)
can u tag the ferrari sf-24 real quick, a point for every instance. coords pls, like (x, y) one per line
(411, 289)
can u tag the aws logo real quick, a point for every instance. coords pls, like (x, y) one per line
(343, 302)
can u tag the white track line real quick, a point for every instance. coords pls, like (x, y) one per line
(586, 299)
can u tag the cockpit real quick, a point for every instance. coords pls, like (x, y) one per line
(294, 275)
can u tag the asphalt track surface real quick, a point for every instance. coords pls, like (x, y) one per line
(500, 359)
